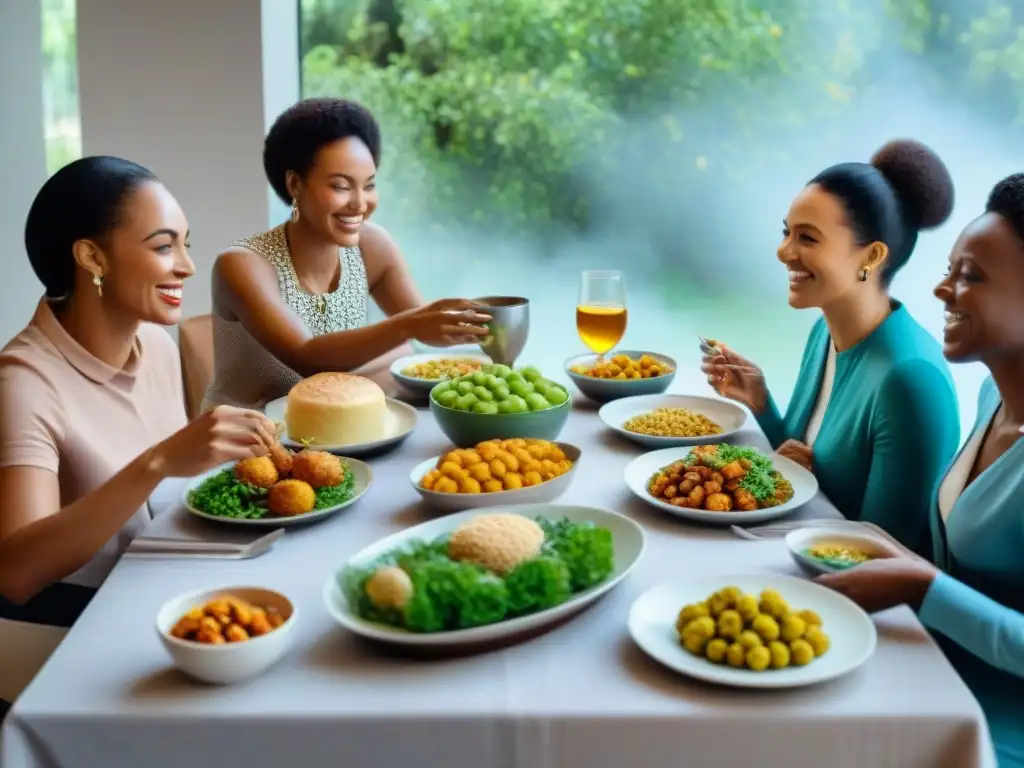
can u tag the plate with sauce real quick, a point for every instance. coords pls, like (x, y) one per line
(828, 550)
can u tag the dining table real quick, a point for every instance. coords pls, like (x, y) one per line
(582, 695)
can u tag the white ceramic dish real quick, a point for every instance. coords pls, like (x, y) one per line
(232, 662)
(852, 633)
(642, 468)
(363, 479)
(423, 386)
(458, 502)
(628, 541)
(801, 539)
(402, 419)
(726, 415)
(604, 390)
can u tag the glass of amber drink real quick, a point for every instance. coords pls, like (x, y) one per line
(601, 309)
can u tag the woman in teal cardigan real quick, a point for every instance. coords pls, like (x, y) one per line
(874, 413)
(973, 596)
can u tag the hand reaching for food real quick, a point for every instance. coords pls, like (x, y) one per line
(884, 583)
(799, 452)
(733, 376)
(448, 322)
(218, 436)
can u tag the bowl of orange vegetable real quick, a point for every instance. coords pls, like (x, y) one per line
(625, 373)
(496, 472)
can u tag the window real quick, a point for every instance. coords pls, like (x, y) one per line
(62, 126)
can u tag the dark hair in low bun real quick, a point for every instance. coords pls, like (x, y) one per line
(81, 201)
(904, 189)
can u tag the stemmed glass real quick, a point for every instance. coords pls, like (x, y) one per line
(601, 309)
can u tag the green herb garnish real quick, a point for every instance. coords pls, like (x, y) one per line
(761, 478)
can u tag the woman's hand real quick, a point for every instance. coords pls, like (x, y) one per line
(735, 377)
(799, 452)
(884, 583)
(216, 437)
(447, 322)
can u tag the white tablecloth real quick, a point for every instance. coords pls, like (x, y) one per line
(581, 696)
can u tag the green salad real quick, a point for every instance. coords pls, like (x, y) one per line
(224, 495)
(421, 588)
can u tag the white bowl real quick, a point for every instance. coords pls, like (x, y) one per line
(424, 386)
(363, 480)
(852, 633)
(458, 502)
(402, 419)
(726, 415)
(628, 542)
(642, 468)
(232, 662)
(801, 539)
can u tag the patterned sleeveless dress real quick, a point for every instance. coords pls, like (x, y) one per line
(244, 373)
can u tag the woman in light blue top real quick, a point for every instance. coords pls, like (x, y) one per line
(973, 597)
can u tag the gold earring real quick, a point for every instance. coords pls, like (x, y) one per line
(295, 211)
(97, 280)
(863, 276)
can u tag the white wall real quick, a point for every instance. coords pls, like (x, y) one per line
(187, 88)
(22, 156)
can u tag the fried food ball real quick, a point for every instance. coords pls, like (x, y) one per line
(773, 604)
(749, 638)
(689, 613)
(718, 502)
(736, 655)
(715, 650)
(282, 459)
(746, 606)
(792, 627)
(801, 653)
(780, 654)
(257, 470)
(730, 624)
(260, 624)
(759, 658)
(717, 604)
(817, 639)
(225, 619)
(811, 619)
(318, 468)
(389, 587)
(498, 542)
(292, 497)
(235, 633)
(766, 627)
(695, 643)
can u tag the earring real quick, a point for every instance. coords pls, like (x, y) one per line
(863, 276)
(295, 211)
(97, 280)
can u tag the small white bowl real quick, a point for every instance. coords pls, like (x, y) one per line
(535, 494)
(801, 539)
(232, 662)
(605, 390)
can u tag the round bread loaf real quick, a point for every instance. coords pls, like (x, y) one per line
(336, 409)
(498, 541)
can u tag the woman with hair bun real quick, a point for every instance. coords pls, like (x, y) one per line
(92, 414)
(874, 413)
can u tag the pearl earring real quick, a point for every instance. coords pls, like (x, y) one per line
(295, 211)
(97, 280)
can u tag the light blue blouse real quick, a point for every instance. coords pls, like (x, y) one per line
(977, 603)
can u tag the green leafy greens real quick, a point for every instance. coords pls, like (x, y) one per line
(450, 595)
(222, 495)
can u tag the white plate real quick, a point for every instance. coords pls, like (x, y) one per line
(458, 502)
(628, 541)
(363, 479)
(402, 419)
(799, 540)
(425, 385)
(851, 632)
(728, 416)
(642, 468)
